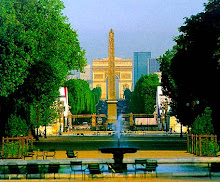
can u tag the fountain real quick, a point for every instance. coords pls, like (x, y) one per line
(118, 151)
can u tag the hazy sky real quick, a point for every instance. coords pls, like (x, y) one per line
(139, 25)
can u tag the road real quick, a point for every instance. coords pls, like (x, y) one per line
(149, 142)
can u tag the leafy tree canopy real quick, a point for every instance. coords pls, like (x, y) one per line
(81, 98)
(97, 93)
(35, 34)
(193, 68)
(37, 48)
(143, 97)
(127, 96)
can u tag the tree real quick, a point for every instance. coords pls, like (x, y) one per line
(37, 48)
(16, 126)
(81, 98)
(180, 98)
(14, 49)
(97, 92)
(143, 97)
(167, 81)
(127, 96)
(195, 66)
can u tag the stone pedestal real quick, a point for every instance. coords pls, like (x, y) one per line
(93, 121)
(112, 111)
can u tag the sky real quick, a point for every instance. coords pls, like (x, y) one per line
(139, 25)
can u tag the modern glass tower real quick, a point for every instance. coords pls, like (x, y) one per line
(154, 66)
(140, 63)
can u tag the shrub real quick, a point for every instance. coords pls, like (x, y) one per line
(16, 126)
(203, 124)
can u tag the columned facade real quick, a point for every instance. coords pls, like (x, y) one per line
(123, 71)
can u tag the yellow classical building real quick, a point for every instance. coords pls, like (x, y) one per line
(123, 75)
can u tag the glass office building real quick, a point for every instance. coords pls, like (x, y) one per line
(154, 66)
(143, 64)
(140, 65)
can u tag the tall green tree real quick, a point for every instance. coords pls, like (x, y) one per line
(37, 48)
(143, 97)
(195, 65)
(127, 96)
(81, 98)
(97, 93)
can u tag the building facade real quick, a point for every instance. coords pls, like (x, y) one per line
(123, 75)
(140, 65)
(144, 64)
(154, 66)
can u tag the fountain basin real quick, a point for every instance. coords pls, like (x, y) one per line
(118, 155)
(121, 149)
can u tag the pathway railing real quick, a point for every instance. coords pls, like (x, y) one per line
(202, 145)
(15, 147)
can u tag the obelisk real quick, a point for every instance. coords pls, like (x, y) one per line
(112, 103)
